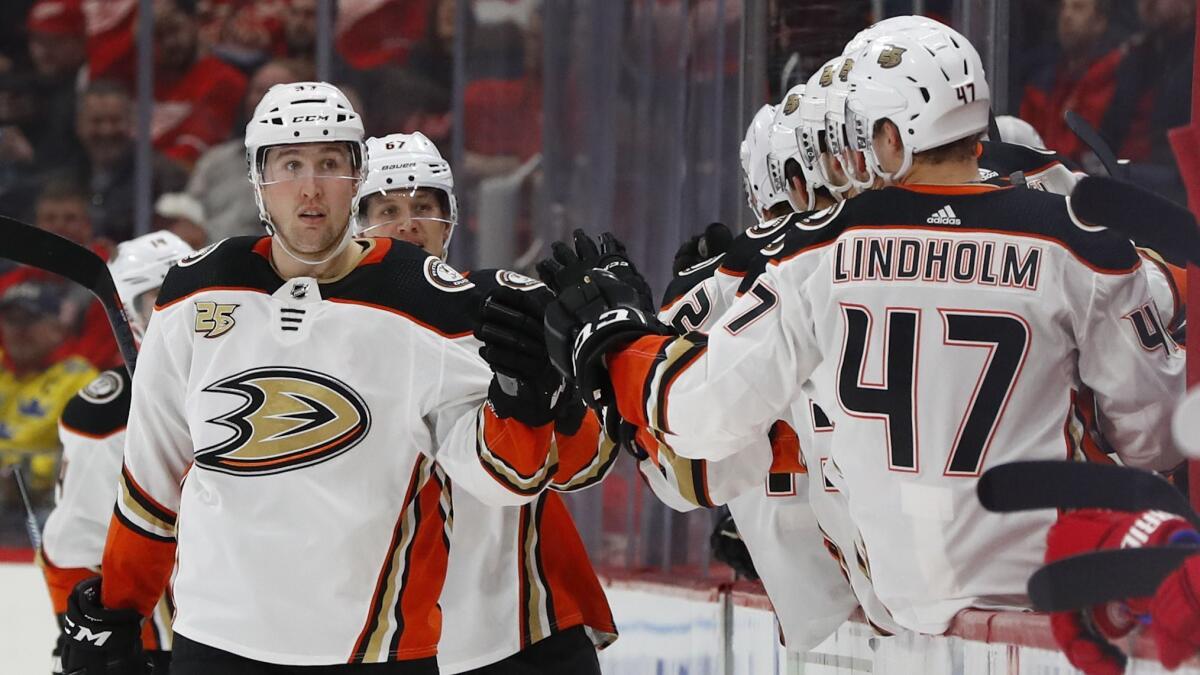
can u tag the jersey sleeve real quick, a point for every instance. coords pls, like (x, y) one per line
(140, 551)
(1127, 357)
(498, 460)
(73, 539)
(708, 397)
(584, 457)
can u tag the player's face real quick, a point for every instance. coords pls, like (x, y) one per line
(308, 189)
(414, 216)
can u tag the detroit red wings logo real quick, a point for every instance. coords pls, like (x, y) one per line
(289, 418)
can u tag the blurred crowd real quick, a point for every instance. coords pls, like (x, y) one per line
(68, 110)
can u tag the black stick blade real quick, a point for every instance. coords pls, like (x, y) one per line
(29, 245)
(1104, 576)
(1139, 214)
(1025, 486)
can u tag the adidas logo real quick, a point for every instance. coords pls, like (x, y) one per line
(944, 216)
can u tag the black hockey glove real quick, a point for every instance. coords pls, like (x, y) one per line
(97, 640)
(728, 547)
(715, 240)
(587, 320)
(524, 384)
(569, 410)
(567, 267)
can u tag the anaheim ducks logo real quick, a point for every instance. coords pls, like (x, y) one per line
(847, 66)
(891, 57)
(290, 418)
(791, 104)
(826, 76)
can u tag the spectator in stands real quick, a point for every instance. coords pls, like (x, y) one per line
(36, 319)
(219, 182)
(402, 98)
(300, 29)
(196, 99)
(62, 208)
(503, 117)
(20, 173)
(181, 214)
(1153, 93)
(57, 48)
(1082, 79)
(104, 126)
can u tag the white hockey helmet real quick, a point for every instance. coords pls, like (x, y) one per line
(406, 162)
(744, 157)
(765, 191)
(300, 112)
(139, 266)
(785, 145)
(811, 133)
(836, 140)
(928, 81)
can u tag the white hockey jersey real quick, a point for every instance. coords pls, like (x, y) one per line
(952, 326)
(92, 431)
(284, 469)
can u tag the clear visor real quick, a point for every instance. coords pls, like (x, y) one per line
(289, 163)
(398, 209)
(854, 157)
(829, 166)
(749, 193)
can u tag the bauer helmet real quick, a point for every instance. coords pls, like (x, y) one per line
(405, 162)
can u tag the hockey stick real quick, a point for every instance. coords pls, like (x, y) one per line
(31, 523)
(1139, 214)
(1024, 486)
(38, 248)
(1096, 143)
(1104, 576)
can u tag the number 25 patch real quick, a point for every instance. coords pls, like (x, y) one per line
(214, 319)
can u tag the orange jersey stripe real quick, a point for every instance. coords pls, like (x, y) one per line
(60, 581)
(417, 612)
(576, 595)
(524, 449)
(136, 568)
(630, 369)
(578, 450)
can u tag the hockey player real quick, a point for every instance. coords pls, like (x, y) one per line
(947, 346)
(785, 510)
(293, 465)
(499, 555)
(92, 430)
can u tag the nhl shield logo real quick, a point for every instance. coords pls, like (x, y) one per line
(791, 104)
(891, 57)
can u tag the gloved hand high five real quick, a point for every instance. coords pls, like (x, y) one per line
(525, 386)
(567, 267)
(588, 319)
